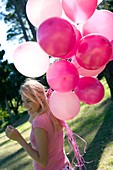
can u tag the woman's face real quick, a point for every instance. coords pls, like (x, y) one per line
(31, 106)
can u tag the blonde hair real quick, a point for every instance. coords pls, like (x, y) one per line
(35, 91)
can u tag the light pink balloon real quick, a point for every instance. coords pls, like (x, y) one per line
(79, 10)
(64, 106)
(101, 22)
(56, 36)
(99, 1)
(85, 72)
(94, 51)
(62, 76)
(40, 10)
(30, 60)
(89, 90)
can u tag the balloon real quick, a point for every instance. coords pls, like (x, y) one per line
(30, 60)
(39, 10)
(64, 106)
(56, 36)
(94, 51)
(78, 37)
(89, 90)
(101, 22)
(85, 72)
(79, 10)
(99, 1)
(62, 76)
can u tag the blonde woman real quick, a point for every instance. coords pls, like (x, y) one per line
(46, 136)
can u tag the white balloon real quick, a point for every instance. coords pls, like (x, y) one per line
(39, 10)
(30, 60)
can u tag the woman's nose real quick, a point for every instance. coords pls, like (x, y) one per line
(25, 104)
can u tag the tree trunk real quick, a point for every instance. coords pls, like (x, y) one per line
(32, 28)
(20, 20)
(9, 110)
(108, 74)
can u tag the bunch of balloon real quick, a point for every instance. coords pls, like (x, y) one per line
(78, 46)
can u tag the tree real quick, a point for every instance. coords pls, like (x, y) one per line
(17, 18)
(108, 71)
(10, 81)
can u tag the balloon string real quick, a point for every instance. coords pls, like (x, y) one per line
(72, 141)
(49, 92)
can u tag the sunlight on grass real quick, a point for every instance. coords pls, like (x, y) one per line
(106, 160)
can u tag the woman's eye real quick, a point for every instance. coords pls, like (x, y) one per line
(28, 101)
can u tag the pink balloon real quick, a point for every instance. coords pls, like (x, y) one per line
(64, 106)
(78, 37)
(30, 60)
(56, 36)
(94, 51)
(89, 90)
(101, 22)
(99, 1)
(85, 72)
(62, 76)
(79, 10)
(40, 10)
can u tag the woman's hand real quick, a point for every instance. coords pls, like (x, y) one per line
(12, 133)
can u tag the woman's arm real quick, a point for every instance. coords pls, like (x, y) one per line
(42, 142)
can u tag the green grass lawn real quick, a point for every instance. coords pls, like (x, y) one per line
(94, 123)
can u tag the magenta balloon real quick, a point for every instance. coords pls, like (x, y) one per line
(56, 36)
(79, 10)
(94, 51)
(85, 72)
(64, 106)
(89, 90)
(62, 76)
(78, 37)
(101, 22)
(39, 10)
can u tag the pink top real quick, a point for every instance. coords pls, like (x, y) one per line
(57, 157)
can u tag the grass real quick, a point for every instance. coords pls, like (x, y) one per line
(94, 123)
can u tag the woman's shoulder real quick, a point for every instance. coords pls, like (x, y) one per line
(42, 119)
(42, 116)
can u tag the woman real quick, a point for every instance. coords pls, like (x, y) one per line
(46, 137)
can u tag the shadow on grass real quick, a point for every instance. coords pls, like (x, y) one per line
(14, 160)
(103, 136)
(22, 119)
(5, 142)
(10, 157)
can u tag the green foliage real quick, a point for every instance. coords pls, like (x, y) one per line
(106, 4)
